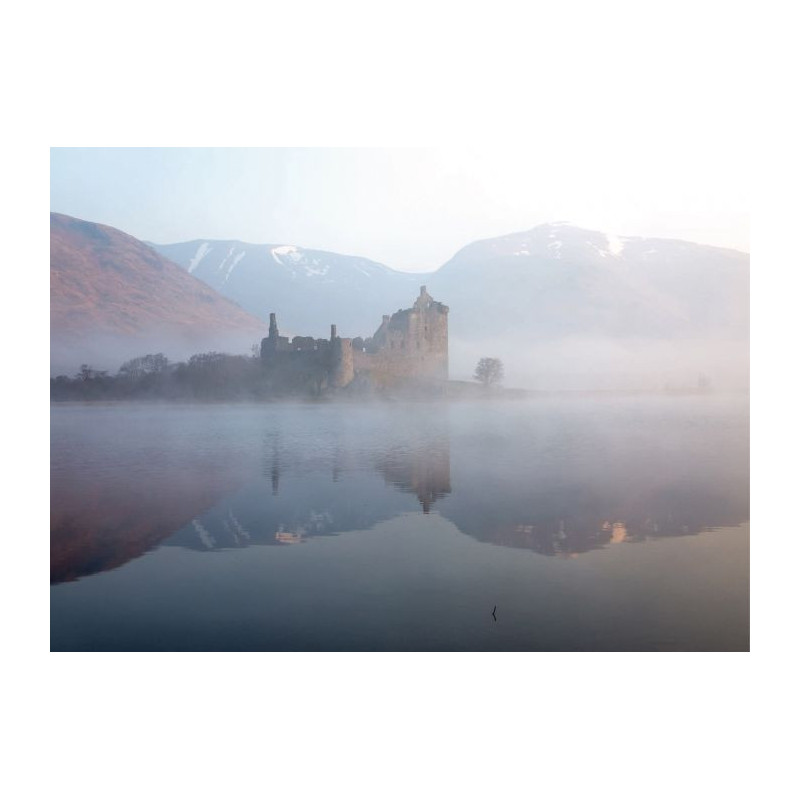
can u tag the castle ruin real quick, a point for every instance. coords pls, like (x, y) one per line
(410, 346)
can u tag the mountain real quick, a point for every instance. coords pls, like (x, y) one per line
(572, 308)
(556, 280)
(563, 307)
(112, 297)
(308, 289)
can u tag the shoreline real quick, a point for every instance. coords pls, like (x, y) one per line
(471, 394)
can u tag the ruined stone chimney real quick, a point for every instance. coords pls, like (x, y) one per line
(333, 332)
(273, 326)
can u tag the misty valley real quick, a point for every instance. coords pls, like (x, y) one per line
(548, 524)
(540, 445)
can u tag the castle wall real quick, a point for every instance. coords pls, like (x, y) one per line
(301, 371)
(409, 346)
(342, 368)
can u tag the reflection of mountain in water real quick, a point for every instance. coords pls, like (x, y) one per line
(600, 524)
(555, 487)
(302, 507)
(578, 484)
(507, 495)
(102, 520)
(290, 508)
(298, 499)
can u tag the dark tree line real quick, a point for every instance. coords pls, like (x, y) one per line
(205, 376)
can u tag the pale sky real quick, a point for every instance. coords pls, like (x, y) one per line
(409, 208)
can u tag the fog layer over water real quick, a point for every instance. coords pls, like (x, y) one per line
(585, 524)
(607, 364)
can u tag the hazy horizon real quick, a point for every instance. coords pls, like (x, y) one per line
(411, 209)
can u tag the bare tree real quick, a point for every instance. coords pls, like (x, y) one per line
(489, 371)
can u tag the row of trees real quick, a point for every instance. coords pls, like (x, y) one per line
(212, 376)
(205, 376)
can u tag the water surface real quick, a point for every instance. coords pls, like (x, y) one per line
(585, 524)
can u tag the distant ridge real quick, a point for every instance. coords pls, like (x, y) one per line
(309, 289)
(564, 307)
(550, 281)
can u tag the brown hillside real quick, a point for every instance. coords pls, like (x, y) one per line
(105, 282)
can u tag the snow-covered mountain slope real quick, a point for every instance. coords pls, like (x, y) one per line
(557, 280)
(554, 280)
(308, 289)
(591, 310)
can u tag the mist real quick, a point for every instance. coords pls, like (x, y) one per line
(540, 445)
(572, 364)
(609, 364)
(105, 351)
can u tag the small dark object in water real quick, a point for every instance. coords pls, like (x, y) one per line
(493, 610)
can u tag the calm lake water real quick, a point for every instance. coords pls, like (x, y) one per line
(583, 524)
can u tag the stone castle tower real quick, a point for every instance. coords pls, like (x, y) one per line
(409, 346)
(412, 342)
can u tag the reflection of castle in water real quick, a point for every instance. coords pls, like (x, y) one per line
(541, 519)
(511, 502)
(424, 471)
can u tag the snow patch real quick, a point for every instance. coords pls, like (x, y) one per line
(616, 244)
(229, 262)
(310, 271)
(206, 539)
(237, 258)
(222, 263)
(601, 251)
(243, 532)
(554, 247)
(286, 250)
(201, 253)
(231, 532)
